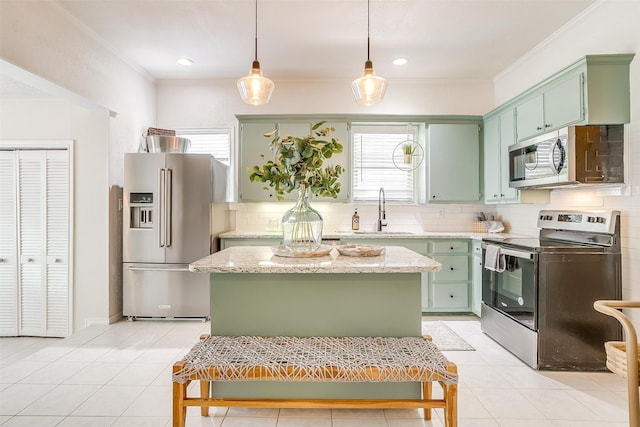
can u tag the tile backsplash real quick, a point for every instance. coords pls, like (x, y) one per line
(255, 217)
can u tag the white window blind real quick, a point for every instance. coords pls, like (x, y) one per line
(210, 141)
(373, 167)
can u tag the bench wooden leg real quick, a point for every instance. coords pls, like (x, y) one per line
(427, 388)
(204, 394)
(179, 394)
(451, 400)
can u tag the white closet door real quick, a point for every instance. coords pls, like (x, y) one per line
(8, 246)
(57, 243)
(31, 238)
(43, 212)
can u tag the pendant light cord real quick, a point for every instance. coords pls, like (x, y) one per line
(368, 37)
(255, 50)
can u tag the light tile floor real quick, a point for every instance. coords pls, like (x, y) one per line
(120, 375)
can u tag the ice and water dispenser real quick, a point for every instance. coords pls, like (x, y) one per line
(141, 206)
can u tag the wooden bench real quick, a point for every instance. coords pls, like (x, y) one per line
(315, 359)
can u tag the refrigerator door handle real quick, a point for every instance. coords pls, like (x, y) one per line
(161, 203)
(168, 204)
(182, 268)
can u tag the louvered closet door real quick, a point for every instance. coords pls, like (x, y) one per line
(57, 243)
(43, 212)
(8, 246)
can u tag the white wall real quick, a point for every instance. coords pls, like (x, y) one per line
(55, 119)
(608, 27)
(41, 38)
(207, 103)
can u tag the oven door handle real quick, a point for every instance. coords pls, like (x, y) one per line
(511, 252)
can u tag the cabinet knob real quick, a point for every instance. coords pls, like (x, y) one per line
(3, 260)
(58, 260)
(539, 128)
(433, 197)
(450, 295)
(548, 125)
(30, 259)
(451, 268)
(451, 248)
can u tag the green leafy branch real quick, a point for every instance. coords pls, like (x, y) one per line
(299, 163)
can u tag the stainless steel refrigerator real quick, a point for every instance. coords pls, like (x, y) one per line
(166, 225)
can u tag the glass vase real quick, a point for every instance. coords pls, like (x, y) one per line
(302, 225)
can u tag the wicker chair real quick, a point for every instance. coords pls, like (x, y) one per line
(622, 356)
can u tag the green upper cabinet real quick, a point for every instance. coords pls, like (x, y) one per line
(592, 91)
(341, 133)
(492, 178)
(563, 103)
(253, 146)
(499, 133)
(560, 105)
(453, 170)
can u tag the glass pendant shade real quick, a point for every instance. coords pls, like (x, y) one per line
(255, 89)
(369, 89)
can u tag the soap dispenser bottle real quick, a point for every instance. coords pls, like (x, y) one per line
(355, 221)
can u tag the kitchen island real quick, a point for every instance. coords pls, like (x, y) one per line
(254, 292)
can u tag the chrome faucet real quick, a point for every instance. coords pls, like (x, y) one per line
(382, 213)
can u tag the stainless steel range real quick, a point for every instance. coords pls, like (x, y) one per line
(538, 293)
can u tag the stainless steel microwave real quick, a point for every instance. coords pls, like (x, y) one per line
(570, 156)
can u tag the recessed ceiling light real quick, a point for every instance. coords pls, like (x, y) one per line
(399, 61)
(186, 62)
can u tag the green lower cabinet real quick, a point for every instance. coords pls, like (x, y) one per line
(476, 283)
(449, 288)
(450, 296)
(447, 291)
(226, 242)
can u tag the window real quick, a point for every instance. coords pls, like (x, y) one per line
(210, 141)
(374, 147)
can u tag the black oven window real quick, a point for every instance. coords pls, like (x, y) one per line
(513, 291)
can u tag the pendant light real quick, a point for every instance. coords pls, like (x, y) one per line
(369, 89)
(255, 89)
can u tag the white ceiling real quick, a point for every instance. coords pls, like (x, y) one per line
(320, 39)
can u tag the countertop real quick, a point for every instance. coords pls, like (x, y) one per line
(335, 235)
(260, 259)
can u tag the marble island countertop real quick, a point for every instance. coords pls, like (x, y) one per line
(336, 235)
(261, 259)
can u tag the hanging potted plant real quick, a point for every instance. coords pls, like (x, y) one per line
(298, 165)
(408, 149)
